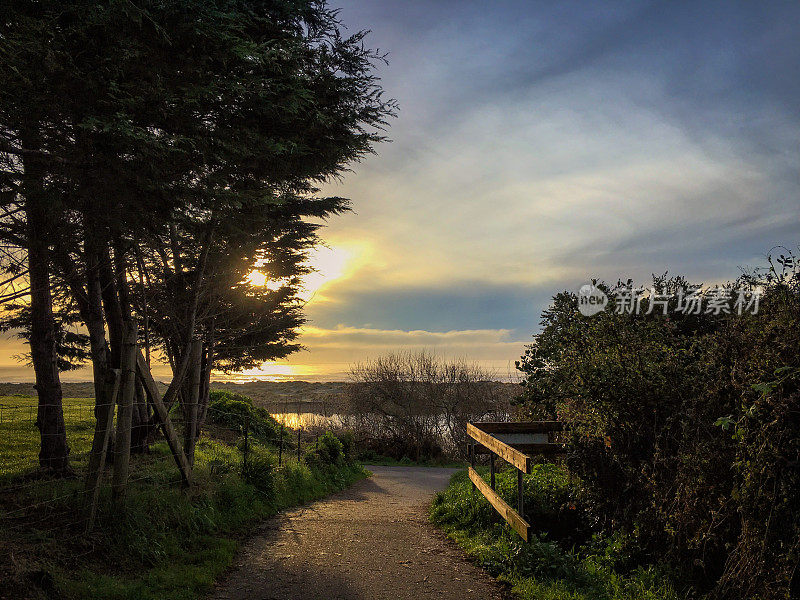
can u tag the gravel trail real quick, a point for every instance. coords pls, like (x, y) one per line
(372, 541)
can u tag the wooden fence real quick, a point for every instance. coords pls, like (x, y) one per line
(514, 443)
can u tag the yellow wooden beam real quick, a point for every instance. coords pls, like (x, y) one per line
(507, 453)
(512, 517)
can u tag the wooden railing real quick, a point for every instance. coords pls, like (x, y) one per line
(514, 443)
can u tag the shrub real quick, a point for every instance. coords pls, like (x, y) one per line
(548, 495)
(347, 438)
(547, 567)
(236, 411)
(258, 471)
(685, 432)
(327, 450)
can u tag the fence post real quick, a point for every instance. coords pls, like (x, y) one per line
(298, 440)
(122, 444)
(472, 459)
(190, 429)
(491, 469)
(104, 415)
(246, 446)
(162, 418)
(280, 448)
(520, 500)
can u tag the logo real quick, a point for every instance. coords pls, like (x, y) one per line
(591, 300)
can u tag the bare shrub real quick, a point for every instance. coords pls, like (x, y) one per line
(417, 404)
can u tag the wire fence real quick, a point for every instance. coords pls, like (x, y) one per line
(35, 503)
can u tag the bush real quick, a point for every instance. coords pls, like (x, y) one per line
(327, 450)
(236, 411)
(685, 431)
(348, 440)
(548, 495)
(258, 471)
(548, 567)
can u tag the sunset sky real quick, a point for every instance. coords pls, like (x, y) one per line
(539, 145)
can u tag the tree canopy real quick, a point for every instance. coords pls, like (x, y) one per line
(153, 154)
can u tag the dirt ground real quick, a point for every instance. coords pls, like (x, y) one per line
(372, 541)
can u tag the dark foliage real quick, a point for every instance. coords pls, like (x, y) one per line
(237, 412)
(685, 430)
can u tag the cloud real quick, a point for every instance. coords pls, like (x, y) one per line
(335, 349)
(541, 145)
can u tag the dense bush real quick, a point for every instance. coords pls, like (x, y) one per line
(327, 450)
(549, 498)
(685, 430)
(258, 471)
(236, 411)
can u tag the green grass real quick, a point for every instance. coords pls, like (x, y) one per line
(563, 561)
(19, 438)
(165, 542)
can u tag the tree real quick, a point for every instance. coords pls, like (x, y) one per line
(162, 128)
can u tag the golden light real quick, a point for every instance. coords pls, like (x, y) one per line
(259, 279)
(272, 371)
(329, 264)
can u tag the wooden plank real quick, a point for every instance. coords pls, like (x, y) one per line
(504, 451)
(521, 426)
(162, 415)
(548, 449)
(512, 517)
(518, 437)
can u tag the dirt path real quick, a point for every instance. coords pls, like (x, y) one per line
(371, 541)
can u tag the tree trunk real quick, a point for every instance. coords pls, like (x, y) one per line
(93, 317)
(111, 306)
(122, 448)
(205, 387)
(140, 430)
(54, 451)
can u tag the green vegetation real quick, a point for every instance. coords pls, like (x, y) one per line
(562, 561)
(684, 429)
(235, 411)
(19, 438)
(168, 542)
(372, 458)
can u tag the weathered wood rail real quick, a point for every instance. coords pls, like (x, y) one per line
(514, 443)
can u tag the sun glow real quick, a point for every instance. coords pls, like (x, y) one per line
(272, 371)
(259, 279)
(329, 264)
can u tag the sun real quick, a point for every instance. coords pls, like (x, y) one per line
(259, 279)
(328, 263)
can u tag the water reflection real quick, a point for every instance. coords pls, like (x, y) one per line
(306, 420)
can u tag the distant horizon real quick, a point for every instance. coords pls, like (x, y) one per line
(24, 375)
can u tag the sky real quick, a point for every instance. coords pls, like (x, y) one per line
(539, 145)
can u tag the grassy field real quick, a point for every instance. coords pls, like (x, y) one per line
(19, 438)
(563, 560)
(166, 542)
